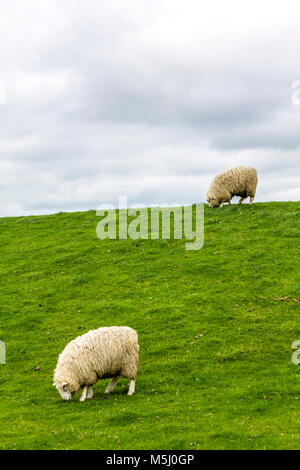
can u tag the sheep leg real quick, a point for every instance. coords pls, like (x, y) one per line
(241, 200)
(229, 202)
(131, 387)
(222, 204)
(251, 199)
(90, 392)
(83, 396)
(112, 384)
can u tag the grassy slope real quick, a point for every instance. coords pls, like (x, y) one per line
(234, 387)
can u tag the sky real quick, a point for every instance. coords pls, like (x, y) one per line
(148, 100)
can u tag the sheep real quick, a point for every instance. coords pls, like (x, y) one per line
(108, 352)
(238, 181)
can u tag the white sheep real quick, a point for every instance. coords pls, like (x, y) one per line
(104, 353)
(239, 181)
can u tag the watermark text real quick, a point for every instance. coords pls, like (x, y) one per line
(154, 223)
(2, 353)
(296, 354)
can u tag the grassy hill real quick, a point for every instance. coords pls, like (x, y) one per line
(215, 358)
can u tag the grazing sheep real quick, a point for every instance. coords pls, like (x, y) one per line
(104, 353)
(239, 181)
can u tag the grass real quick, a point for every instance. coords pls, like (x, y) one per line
(215, 345)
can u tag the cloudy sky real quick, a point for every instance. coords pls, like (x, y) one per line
(148, 99)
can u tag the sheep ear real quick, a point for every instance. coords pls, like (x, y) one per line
(64, 386)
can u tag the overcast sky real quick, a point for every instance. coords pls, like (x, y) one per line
(148, 99)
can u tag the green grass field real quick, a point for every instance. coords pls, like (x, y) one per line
(215, 345)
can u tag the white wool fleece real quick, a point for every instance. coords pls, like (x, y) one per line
(239, 181)
(103, 353)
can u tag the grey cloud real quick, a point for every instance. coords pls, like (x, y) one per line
(149, 100)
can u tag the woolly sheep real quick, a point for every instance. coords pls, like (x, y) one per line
(104, 353)
(239, 181)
